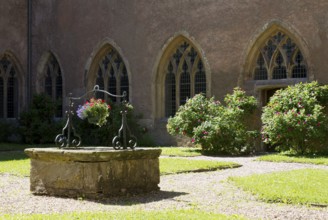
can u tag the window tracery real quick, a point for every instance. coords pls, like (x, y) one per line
(279, 58)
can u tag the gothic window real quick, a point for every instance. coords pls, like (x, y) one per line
(112, 76)
(185, 77)
(53, 85)
(279, 58)
(8, 89)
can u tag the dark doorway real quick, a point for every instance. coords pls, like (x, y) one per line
(266, 94)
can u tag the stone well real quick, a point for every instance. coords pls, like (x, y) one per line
(93, 172)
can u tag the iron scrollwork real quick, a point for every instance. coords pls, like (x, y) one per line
(69, 138)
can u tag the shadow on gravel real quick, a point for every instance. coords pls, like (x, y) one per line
(140, 199)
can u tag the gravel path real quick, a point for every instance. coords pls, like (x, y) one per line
(205, 191)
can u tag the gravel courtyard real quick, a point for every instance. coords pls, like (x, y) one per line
(207, 191)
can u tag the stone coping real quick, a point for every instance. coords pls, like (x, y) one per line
(91, 154)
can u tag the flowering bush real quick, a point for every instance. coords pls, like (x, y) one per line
(295, 118)
(96, 111)
(218, 128)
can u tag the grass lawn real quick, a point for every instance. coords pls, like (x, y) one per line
(177, 165)
(306, 186)
(319, 160)
(17, 163)
(181, 151)
(137, 214)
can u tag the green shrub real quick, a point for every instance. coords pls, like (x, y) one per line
(218, 128)
(103, 136)
(38, 125)
(7, 130)
(295, 118)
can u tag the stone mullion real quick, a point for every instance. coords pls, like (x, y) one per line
(193, 72)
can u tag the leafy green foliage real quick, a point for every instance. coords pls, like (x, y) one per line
(6, 130)
(295, 118)
(38, 125)
(308, 186)
(218, 128)
(103, 136)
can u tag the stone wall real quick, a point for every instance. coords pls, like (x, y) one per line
(224, 30)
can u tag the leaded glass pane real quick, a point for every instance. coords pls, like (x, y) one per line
(53, 83)
(112, 84)
(48, 83)
(200, 79)
(12, 95)
(261, 72)
(279, 72)
(170, 94)
(100, 83)
(270, 49)
(299, 70)
(125, 83)
(184, 84)
(177, 56)
(1, 98)
(289, 48)
(59, 96)
(192, 54)
(5, 63)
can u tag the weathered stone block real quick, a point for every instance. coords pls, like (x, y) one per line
(93, 172)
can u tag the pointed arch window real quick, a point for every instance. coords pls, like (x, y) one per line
(185, 77)
(53, 84)
(9, 89)
(112, 76)
(279, 58)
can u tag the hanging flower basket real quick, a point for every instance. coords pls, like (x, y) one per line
(95, 111)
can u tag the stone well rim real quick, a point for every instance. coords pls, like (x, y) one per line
(91, 154)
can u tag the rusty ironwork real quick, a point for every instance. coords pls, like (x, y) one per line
(70, 139)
